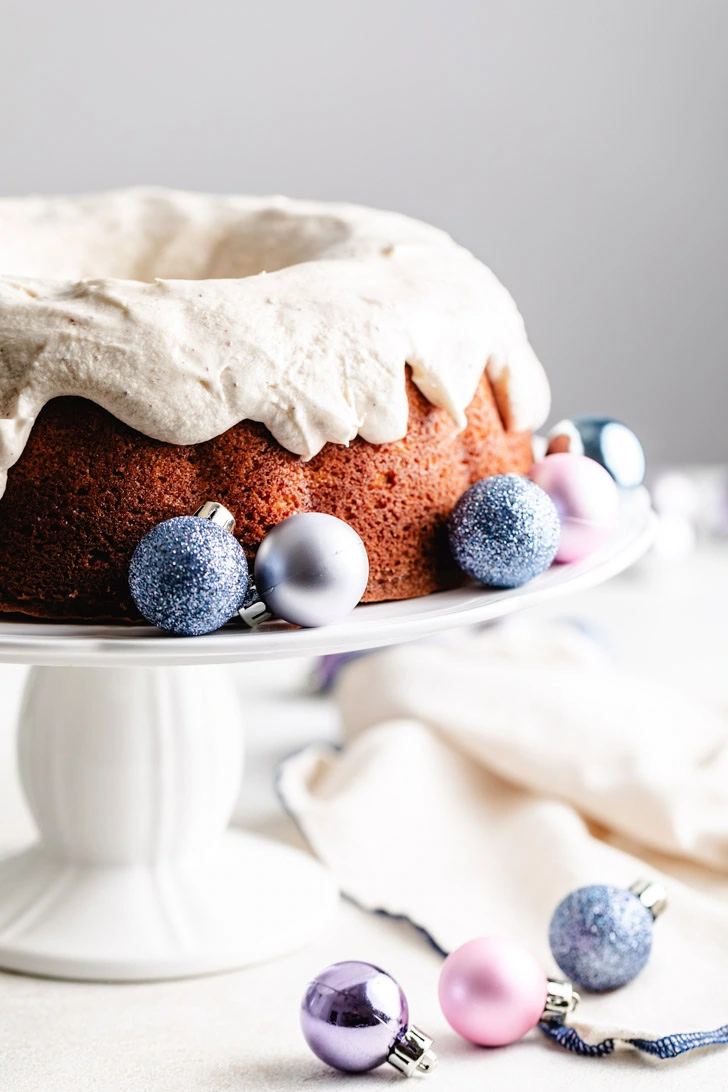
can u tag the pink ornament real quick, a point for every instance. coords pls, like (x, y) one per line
(492, 991)
(586, 499)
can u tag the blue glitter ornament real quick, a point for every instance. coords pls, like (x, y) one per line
(608, 442)
(189, 575)
(601, 936)
(504, 531)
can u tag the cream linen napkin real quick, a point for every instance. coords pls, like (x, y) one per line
(488, 774)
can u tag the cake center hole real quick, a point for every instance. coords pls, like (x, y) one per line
(148, 239)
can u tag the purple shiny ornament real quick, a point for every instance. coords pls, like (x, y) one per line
(352, 1014)
(326, 670)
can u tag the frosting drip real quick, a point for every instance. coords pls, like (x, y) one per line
(183, 314)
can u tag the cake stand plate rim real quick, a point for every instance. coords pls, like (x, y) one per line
(368, 626)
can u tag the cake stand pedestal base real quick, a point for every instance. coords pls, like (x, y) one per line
(132, 774)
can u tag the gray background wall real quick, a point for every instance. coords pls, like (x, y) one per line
(578, 146)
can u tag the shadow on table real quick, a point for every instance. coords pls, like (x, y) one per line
(294, 1074)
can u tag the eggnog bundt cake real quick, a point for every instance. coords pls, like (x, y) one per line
(160, 348)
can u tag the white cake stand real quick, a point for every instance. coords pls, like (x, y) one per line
(131, 759)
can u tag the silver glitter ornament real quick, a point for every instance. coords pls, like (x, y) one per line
(311, 569)
(188, 575)
(601, 936)
(504, 531)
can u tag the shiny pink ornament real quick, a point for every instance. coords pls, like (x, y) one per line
(586, 499)
(492, 991)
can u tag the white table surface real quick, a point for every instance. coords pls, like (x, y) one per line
(239, 1031)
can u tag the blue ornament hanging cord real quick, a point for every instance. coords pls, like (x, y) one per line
(668, 1046)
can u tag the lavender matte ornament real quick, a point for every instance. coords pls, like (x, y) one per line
(355, 1017)
(311, 569)
(601, 936)
(504, 531)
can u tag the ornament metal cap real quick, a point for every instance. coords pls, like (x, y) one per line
(561, 1000)
(217, 513)
(254, 611)
(651, 894)
(412, 1054)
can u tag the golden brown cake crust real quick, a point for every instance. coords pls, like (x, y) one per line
(87, 487)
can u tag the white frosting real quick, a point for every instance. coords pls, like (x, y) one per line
(182, 314)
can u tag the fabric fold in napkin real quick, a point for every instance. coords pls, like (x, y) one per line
(486, 775)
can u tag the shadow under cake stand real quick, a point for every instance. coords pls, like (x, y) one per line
(130, 751)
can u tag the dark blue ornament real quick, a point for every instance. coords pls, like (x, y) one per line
(188, 576)
(601, 936)
(608, 442)
(504, 531)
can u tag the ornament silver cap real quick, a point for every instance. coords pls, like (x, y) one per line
(255, 613)
(217, 513)
(561, 1000)
(412, 1054)
(651, 894)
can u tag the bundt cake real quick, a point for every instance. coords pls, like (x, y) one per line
(160, 348)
